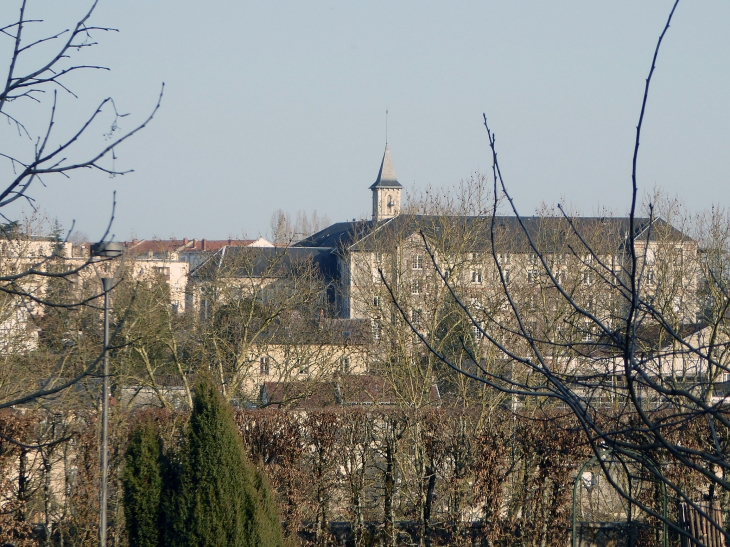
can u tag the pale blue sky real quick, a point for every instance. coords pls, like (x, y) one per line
(281, 105)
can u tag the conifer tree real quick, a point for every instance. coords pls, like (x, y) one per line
(222, 500)
(143, 487)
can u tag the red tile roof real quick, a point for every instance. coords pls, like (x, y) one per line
(143, 246)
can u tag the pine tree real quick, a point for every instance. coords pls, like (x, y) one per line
(221, 499)
(143, 487)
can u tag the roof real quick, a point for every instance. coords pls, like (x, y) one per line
(345, 390)
(293, 328)
(547, 232)
(185, 245)
(340, 235)
(270, 262)
(386, 175)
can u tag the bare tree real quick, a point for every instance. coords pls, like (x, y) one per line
(286, 229)
(264, 317)
(639, 342)
(40, 76)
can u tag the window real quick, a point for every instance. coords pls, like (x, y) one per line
(503, 258)
(376, 330)
(478, 335)
(588, 278)
(506, 276)
(264, 366)
(376, 301)
(588, 331)
(476, 276)
(345, 362)
(416, 316)
(650, 277)
(303, 367)
(532, 276)
(533, 259)
(418, 262)
(416, 286)
(162, 270)
(345, 334)
(378, 258)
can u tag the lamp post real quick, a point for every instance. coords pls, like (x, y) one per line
(105, 251)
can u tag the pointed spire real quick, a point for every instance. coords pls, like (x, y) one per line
(386, 175)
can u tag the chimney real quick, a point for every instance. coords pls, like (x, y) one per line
(134, 241)
(185, 241)
(203, 241)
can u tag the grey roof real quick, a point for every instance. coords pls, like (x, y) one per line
(386, 175)
(266, 262)
(339, 235)
(547, 232)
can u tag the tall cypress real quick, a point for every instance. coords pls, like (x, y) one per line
(222, 500)
(143, 487)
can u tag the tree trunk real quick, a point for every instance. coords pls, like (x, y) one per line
(389, 487)
(427, 506)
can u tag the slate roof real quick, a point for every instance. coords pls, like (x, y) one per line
(302, 331)
(345, 390)
(266, 262)
(386, 175)
(546, 231)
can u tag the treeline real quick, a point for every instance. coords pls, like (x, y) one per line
(397, 476)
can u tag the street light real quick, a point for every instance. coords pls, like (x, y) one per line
(105, 251)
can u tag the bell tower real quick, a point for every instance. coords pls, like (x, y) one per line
(386, 191)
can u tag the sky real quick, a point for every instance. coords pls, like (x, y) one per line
(281, 105)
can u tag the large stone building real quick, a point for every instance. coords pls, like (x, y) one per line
(412, 253)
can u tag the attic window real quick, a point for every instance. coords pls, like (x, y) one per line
(264, 368)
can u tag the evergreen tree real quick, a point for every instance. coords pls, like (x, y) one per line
(143, 487)
(221, 500)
